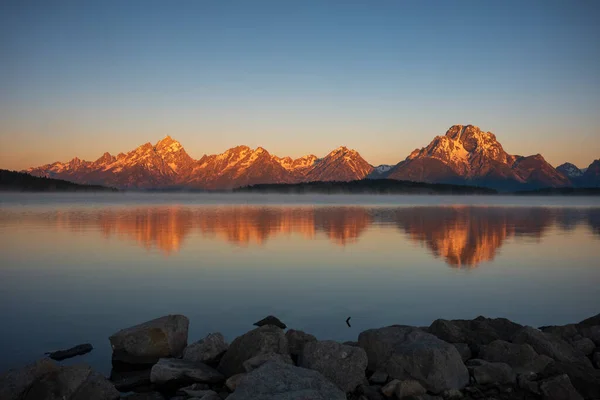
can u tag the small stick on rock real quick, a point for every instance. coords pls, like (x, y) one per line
(72, 352)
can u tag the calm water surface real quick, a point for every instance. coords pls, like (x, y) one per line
(76, 268)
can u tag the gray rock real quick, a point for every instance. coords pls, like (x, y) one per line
(195, 390)
(521, 357)
(15, 382)
(592, 333)
(207, 350)
(565, 332)
(297, 340)
(586, 379)
(233, 381)
(586, 346)
(212, 395)
(409, 388)
(266, 339)
(275, 381)
(549, 345)
(343, 365)
(351, 343)
(144, 396)
(591, 321)
(379, 377)
(76, 382)
(410, 353)
(372, 392)
(168, 370)
(485, 372)
(559, 388)
(389, 389)
(596, 359)
(478, 331)
(255, 362)
(271, 320)
(463, 350)
(146, 343)
(126, 381)
(452, 394)
(528, 383)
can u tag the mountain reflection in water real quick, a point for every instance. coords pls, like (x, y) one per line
(464, 236)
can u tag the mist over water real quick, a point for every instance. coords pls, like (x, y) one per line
(76, 268)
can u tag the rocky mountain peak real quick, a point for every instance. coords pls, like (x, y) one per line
(105, 158)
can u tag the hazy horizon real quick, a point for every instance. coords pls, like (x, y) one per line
(296, 78)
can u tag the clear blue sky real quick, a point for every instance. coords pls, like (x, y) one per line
(296, 77)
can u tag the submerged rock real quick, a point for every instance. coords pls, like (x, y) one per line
(78, 350)
(271, 320)
(168, 370)
(343, 365)
(207, 350)
(275, 381)
(147, 342)
(266, 339)
(409, 353)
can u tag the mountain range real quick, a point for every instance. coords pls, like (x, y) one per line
(464, 155)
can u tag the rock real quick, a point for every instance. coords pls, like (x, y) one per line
(527, 382)
(549, 345)
(207, 350)
(559, 388)
(144, 396)
(585, 346)
(76, 382)
(126, 381)
(409, 388)
(371, 392)
(463, 350)
(169, 370)
(584, 378)
(478, 331)
(521, 357)
(409, 353)
(275, 381)
(15, 382)
(592, 333)
(212, 395)
(595, 320)
(297, 340)
(452, 394)
(266, 339)
(271, 320)
(343, 365)
(233, 381)
(596, 359)
(146, 343)
(379, 377)
(351, 343)
(565, 332)
(195, 390)
(255, 362)
(72, 352)
(389, 390)
(486, 373)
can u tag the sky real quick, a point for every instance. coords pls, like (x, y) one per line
(297, 77)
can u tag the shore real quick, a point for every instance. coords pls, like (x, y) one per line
(481, 358)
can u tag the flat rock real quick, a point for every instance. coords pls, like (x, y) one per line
(252, 363)
(559, 388)
(275, 381)
(549, 345)
(78, 350)
(521, 357)
(297, 340)
(147, 342)
(76, 382)
(15, 382)
(207, 350)
(266, 339)
(169, 370)
(474, 332)
(486, 373)
(410, 353)
(343, 365)
(271, 320)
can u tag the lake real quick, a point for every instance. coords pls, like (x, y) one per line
(76, 268)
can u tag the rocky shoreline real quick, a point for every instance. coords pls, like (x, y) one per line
(482, 358)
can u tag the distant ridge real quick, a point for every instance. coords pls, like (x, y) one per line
(21, 182)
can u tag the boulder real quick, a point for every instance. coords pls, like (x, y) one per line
(474, 332)
(521, 357)
(15, 382)
(207, 350)
(379, 377)
(559, 388)
(76, 382)
(389, 389)
(127, 380)
(271, 320)
(585, 346)
(549, 345)
(171, 370)
(591, 321)
(233, 381)
(527, 382)
(596, 359)
(252, 363)
(371, 392)
(276, 381)
(409, 353)
(297, 340)
(266, 339)
(144, 396)
(146, 343)
(486, 373)
(584, 378)
(409, 388)
(195, 390)
(592, 333)
(343, 365)
(210, 395)
(463, 350)
(452, 394)
(565, 332)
